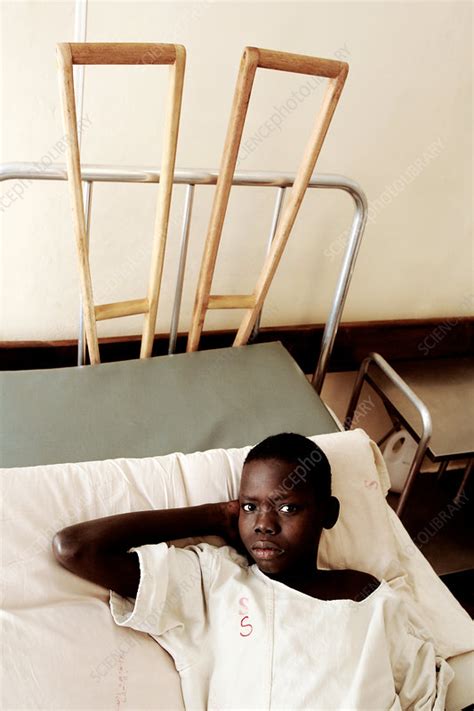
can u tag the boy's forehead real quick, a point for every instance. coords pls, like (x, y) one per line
(260, 473)
(259, 467)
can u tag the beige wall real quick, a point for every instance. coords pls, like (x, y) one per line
(403, 129)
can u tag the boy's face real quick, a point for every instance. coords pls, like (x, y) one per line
(280, 522)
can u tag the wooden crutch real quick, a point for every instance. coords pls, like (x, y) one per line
(252, 58)
(174, 55)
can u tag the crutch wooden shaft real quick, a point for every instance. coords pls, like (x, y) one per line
(164, 197)
(66, 84)
(122, 53)
(248, 66)
(290, 213)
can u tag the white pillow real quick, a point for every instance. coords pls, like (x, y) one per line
(61, 646)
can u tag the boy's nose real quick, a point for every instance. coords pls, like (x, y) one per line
(265, 524)
(264, 528)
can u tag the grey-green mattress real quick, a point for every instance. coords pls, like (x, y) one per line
(228, 397)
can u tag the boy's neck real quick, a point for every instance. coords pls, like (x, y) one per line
(302, 577)
(330, 584)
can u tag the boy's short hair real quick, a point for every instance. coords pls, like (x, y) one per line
(311, 464)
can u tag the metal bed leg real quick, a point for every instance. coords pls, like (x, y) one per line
(423, 411)
(188, 206)
(276, 216)
(466, 476)
(342, 288)
(442, 468)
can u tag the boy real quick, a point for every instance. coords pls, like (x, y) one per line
(255, 624)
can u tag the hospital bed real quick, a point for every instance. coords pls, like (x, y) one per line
(61, 426)
(70, 450)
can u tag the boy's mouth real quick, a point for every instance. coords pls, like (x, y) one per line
(266, 550)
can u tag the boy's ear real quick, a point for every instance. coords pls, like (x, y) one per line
(332, 512)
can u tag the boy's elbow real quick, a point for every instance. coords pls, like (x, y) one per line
(63, 545)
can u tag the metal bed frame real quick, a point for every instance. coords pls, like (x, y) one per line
(91, 174)
(426, 424)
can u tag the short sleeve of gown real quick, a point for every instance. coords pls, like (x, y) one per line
(171, 601)
(421, 676)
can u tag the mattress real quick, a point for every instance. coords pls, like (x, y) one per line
(225, 397)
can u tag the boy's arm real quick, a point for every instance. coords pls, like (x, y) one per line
(97, 550)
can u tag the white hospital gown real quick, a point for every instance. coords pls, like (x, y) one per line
(240, 640)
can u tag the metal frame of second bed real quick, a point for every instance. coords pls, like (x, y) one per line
(91, 174)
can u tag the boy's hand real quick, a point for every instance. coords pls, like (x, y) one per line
(230, 524)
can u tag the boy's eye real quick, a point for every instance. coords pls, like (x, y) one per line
(284, 508)
(252, 506)
(290, 508)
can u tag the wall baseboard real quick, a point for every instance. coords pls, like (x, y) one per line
(395, 340)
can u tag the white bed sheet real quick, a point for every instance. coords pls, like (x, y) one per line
(60, 646)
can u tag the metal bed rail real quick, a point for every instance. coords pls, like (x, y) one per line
(422, 410)
(91, 174)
